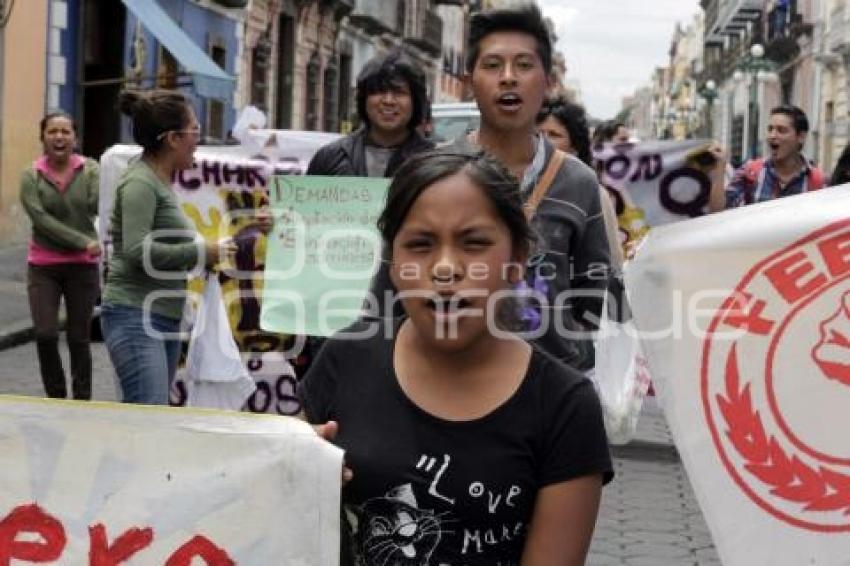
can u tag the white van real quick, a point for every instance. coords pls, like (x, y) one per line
(454, 119)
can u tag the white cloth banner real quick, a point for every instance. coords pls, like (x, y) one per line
(219, 195)
(98, 483)
(215, 376)
(745, 318)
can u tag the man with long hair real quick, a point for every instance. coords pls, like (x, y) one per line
(391, 102)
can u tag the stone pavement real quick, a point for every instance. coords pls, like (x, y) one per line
(15, 322)
(19, 371)
(649, 516)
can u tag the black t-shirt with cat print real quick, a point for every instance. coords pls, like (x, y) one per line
(427, 491)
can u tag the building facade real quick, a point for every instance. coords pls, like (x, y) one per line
(660, 105)
(740, 58)
(832, 56)
(293, 66)
(23, 29)
(640, 114)
(450, 86)
(759, 54)
(104, 47)
(151, 64)
(376, 26)
(681, 90)
(296, 60)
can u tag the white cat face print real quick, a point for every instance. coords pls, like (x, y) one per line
(393, 531)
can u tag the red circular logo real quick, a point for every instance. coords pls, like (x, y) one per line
(775, 382)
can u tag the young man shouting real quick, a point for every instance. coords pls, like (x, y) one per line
(786, 171)
(509, 64)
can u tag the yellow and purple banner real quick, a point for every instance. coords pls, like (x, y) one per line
(220, 195)
(654, 183)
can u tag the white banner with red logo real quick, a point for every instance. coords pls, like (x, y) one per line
(219, 196)
(98, 483)
(745, 318)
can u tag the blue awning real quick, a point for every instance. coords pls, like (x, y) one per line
(210, 80)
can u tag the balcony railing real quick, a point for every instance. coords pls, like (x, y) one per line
(836, 38)
(340, 7)
(710, 7)
(429, 35)
(712, 35)
(732, 57)
(732, 15)
(376, 16)
(778, 23)
(784, 26)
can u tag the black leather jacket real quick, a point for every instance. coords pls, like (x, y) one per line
(346, 157)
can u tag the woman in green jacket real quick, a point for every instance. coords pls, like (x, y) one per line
(59, 193)
(154, 248)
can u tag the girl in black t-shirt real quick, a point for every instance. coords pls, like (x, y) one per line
(467, 445)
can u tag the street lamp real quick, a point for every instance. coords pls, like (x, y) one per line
(669, 124)
(685, 115)
(709, 93)
(758, 68)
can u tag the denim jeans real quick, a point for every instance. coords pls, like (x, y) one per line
(145, 360)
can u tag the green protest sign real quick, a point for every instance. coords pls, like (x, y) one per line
(322, 252)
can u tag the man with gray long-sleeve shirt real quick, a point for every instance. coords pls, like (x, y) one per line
(508, 66)
(572, 261)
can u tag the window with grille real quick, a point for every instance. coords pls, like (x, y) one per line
(215, 108)
(167, 69)
(330, 96)
(313, 92)
(260, 60)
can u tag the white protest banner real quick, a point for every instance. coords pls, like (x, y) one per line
(101, 483)
(745, 318)
(654, 183)
(219, 196)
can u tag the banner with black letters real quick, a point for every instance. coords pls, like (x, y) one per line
(654, 183)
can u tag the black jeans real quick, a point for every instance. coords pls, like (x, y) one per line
(79, 284)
